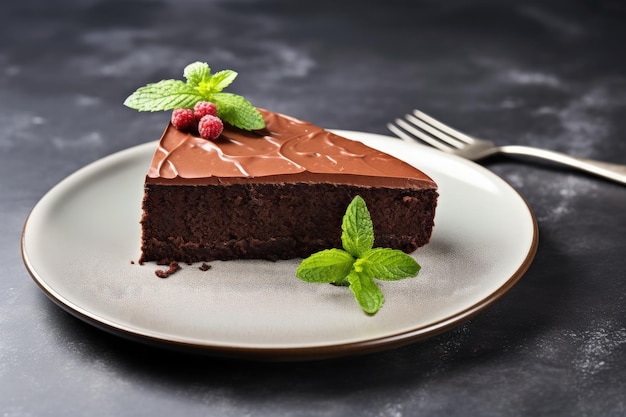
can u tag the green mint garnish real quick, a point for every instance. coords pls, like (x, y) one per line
(201, 85)
(358, 264)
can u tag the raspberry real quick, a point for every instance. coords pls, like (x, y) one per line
(202, 108)
(183, 119)
(210, 127)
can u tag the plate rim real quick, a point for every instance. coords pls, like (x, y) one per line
(276, 353)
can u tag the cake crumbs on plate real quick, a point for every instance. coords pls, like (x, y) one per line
(204, 267)
(172, 267)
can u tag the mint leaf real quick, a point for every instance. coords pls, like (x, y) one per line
(164, 95)
(358, 264)
(357, 235)
(237, 111)
(327, 266)
(201, 85)
(222, 79)
(367, 293)
(197, 73)
(391, 264)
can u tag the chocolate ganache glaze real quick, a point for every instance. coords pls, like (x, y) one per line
(287, 149)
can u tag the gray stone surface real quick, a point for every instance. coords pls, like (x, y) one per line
(544, 73)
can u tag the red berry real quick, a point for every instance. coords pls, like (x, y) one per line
(183, 120)
(202, 108)
(210, 127)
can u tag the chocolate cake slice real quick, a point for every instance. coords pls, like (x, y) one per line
(276, 193)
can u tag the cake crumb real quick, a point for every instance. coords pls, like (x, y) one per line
(204, 267)
(173, 267)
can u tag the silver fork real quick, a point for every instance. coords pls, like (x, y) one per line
(419, 126)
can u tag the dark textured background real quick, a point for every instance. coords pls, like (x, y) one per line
(545, 73)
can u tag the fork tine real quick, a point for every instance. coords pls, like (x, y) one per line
(400, 133)
(444, 128)
(436, 133)
(415, 132)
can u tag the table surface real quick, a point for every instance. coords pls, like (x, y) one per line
(541, 73)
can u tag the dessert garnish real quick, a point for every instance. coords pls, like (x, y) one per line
(202, 119)
(200, 86)
(358, 263)
(210, 127)
(184, 120)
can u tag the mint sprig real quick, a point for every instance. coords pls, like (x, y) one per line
(358, 263)
(201, 85)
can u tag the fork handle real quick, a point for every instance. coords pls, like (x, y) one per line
(614, 172)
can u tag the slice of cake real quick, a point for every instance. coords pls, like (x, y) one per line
(230, 181)
(275, 193)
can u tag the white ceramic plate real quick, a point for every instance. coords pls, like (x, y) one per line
(81, 241)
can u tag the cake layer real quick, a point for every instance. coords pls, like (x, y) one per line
(191, 223)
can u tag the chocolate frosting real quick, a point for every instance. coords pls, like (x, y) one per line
(287, 149)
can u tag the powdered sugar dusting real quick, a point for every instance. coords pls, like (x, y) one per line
(557, 199)
(392, 410)
(525, 77)
(583, 121)
(596, 346)
(593, 350)
(18, 128)
(86, 140)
